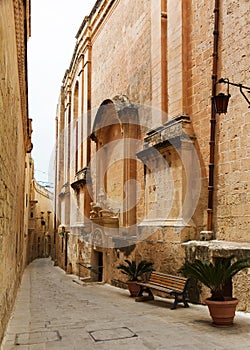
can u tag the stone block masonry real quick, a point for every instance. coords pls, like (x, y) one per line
(14, 139)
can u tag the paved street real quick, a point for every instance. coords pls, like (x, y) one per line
(54, 312)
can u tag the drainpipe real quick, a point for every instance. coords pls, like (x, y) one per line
(213, 121)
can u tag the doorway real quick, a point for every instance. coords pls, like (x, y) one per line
(97, 266)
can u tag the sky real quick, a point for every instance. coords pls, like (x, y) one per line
(54, 24)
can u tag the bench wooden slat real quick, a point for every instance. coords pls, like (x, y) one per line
(167, 286)
(165, 275)
(170, 284)
(153, 286)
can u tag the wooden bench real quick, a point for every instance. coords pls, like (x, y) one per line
(173, 285)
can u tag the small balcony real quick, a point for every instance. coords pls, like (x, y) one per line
(81, 178)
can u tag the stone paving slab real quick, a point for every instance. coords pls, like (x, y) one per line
(52, 312)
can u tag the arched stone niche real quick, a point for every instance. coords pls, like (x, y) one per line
(115, 133)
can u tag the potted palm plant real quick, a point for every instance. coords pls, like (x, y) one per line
(215, 276)
(135, 273)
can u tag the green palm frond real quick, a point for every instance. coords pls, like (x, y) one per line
(214, 275)
(134, 270)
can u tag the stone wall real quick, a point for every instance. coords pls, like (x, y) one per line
(121, 57)
(198, 42)
(157, 57)
(232, 196)
(14, 142)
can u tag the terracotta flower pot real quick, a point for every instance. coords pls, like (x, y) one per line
(222, 312)
(133, 287)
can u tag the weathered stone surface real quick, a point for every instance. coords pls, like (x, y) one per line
(15, 167)
(144, 70)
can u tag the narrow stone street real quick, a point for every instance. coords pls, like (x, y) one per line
(53, 311)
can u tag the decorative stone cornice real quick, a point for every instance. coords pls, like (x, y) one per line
(173, 132)
(179, 127)
(22, 19)
(42, 190)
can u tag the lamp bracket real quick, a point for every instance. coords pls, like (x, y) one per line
(240, 86)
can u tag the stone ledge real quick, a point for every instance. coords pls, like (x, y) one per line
(217, 244)
(217, 248)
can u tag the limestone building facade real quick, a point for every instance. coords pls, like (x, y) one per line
(145, 166)
(15, 148)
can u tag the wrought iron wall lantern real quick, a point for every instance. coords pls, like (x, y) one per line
(220, 101)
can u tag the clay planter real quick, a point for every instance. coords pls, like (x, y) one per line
(133, 288)
(222, 312)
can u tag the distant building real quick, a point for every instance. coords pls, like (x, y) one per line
(15, 148)
(145, 167)
(41, 222)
